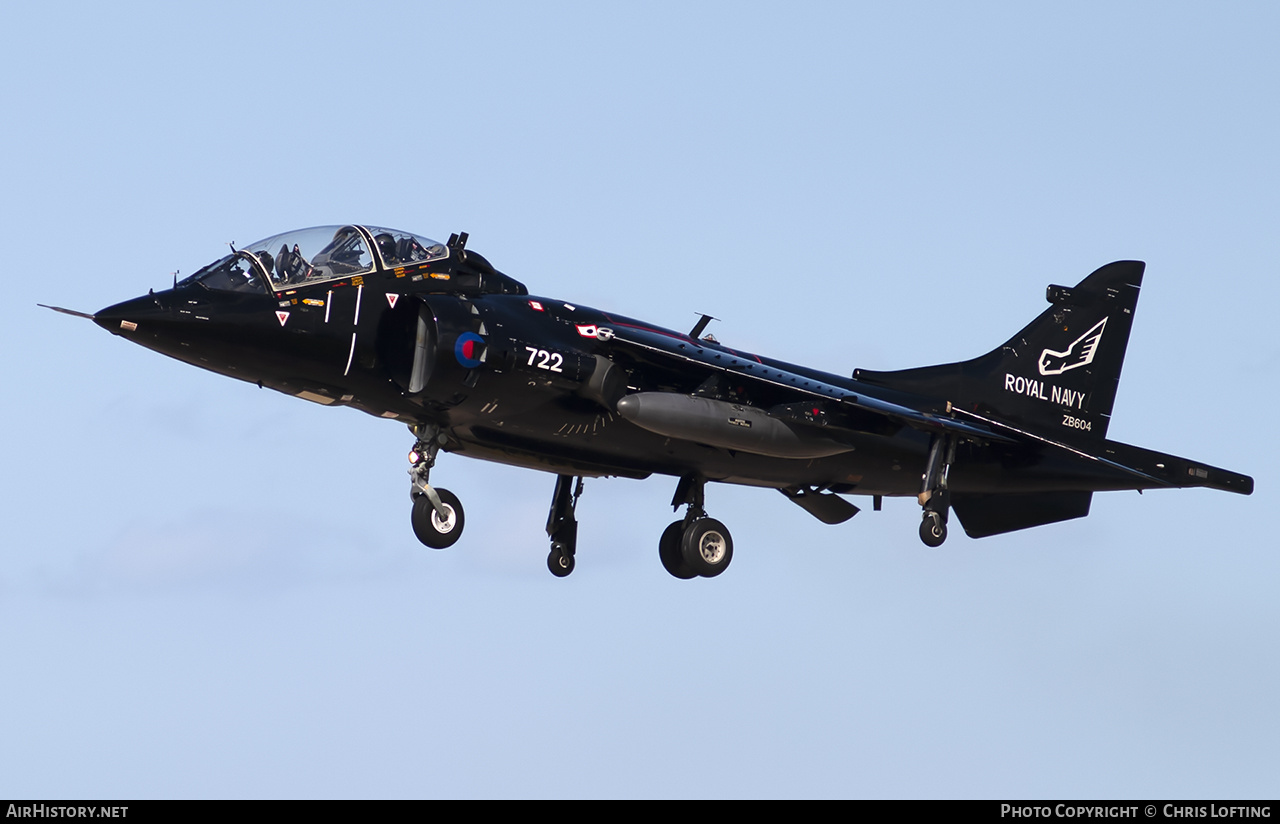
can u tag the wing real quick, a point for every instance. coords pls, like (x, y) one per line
(812, 399)
(800, 398)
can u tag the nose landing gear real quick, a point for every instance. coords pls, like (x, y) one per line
(437, 515)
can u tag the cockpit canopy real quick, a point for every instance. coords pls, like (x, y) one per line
(324, 253)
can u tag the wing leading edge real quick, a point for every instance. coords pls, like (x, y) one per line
(841, 407)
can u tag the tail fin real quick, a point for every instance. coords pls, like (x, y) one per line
(1060, 373)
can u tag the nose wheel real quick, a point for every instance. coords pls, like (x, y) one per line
(437, 516)
(433, 529)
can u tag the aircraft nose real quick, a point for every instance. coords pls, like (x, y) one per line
(127, 316)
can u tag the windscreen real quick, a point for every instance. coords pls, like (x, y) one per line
(312, 255)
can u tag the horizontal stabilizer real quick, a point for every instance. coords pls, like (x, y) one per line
(1155, 469)
(1175, 471)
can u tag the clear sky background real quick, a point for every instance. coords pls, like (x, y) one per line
(209, 590)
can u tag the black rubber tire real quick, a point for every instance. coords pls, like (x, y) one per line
(560, 563)
(431, 531)
(932, 530)
(707, 547)
(670, 553)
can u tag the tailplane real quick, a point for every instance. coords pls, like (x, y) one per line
(1060, 373)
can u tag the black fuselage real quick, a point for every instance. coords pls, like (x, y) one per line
(430, 334)
(523, 394)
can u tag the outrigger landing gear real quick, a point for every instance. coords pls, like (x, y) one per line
(437, 513)
(696, 545)
(935, 497)
(562, 527)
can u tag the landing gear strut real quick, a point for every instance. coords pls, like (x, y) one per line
(437, 515)
(696, 546)
(562, 527)
(935, 497)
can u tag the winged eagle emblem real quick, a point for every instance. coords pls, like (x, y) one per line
(1079, 353)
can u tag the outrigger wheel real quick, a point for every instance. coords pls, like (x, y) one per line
(933, 530)
(935, 496)
(562, 526)
(560, 561)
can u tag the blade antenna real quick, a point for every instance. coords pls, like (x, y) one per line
(701, 325)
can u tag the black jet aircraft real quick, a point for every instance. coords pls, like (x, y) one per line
(432, 335)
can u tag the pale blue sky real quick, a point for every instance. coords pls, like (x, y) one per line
(208, 590)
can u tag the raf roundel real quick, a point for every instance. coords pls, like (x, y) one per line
(468, 349)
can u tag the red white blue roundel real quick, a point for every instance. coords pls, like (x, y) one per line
(468, 349)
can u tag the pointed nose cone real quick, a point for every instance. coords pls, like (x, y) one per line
(149, 321)
(126, 317)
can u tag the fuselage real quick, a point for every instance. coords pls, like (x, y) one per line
(531, 381)
(432, 335)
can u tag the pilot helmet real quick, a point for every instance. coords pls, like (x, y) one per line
(387, 246)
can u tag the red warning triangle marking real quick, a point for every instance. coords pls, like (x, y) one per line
(391, 299)
(282, 316)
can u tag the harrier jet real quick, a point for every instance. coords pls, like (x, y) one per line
(432, 335)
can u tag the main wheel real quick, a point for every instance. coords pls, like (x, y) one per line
(707, 547)
(932, 530)
(560, 561)
(431, 529)
(670, 554)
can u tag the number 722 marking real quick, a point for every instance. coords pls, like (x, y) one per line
(550, 361)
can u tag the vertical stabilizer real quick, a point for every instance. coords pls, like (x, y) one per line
(1060, 373)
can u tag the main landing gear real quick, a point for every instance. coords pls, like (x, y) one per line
(437, 513)
(696, 546)
(935, 498)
